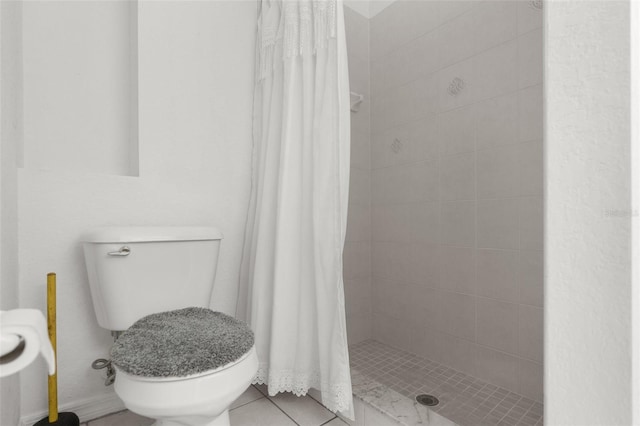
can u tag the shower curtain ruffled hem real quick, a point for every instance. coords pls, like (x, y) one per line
(336, 396)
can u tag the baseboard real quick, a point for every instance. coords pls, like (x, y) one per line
(87, 409)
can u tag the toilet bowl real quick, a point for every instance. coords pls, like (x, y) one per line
(198, 400)
(138, 273)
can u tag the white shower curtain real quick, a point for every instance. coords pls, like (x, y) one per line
(291, 290)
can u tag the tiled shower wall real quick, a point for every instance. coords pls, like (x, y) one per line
(357, 252)
(456, 187)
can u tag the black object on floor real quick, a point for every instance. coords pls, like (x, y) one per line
(64, 419)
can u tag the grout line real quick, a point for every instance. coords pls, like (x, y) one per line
(285, 413)
(405, 43)
(475, 252)
(328, 421)
(246, 403)
(449, 246)
(102, 417)
(461, 200)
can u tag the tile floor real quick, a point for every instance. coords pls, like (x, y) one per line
(464, 399)
(253, 408)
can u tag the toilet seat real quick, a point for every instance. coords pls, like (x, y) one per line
(192, 376)
(180, 344)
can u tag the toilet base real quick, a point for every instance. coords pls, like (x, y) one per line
(202, 400)
(221, 420)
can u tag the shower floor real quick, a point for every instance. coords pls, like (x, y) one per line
(464, 399)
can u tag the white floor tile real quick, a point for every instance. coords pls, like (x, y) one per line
(251, 394)
(304, 409)
(336, 422)
(123, 418)
(261, 412)
(263, 389)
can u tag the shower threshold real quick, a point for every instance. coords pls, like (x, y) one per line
(378, 404)
(389, 379)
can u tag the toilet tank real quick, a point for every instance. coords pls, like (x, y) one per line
(137, 271)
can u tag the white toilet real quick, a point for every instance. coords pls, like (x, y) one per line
(154, 273)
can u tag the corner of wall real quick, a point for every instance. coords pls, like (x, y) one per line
(10, 46)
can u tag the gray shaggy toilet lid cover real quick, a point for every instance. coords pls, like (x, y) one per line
(181, 343)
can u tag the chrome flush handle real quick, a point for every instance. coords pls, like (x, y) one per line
(124, 251)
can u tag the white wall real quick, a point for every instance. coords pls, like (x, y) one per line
(80, 86)
(635, 182)
(195, 94)
(588, 214)
(9, 137)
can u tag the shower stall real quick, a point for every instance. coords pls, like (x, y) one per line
(444, 254)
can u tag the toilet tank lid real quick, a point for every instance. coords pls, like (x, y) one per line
(140, 234)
